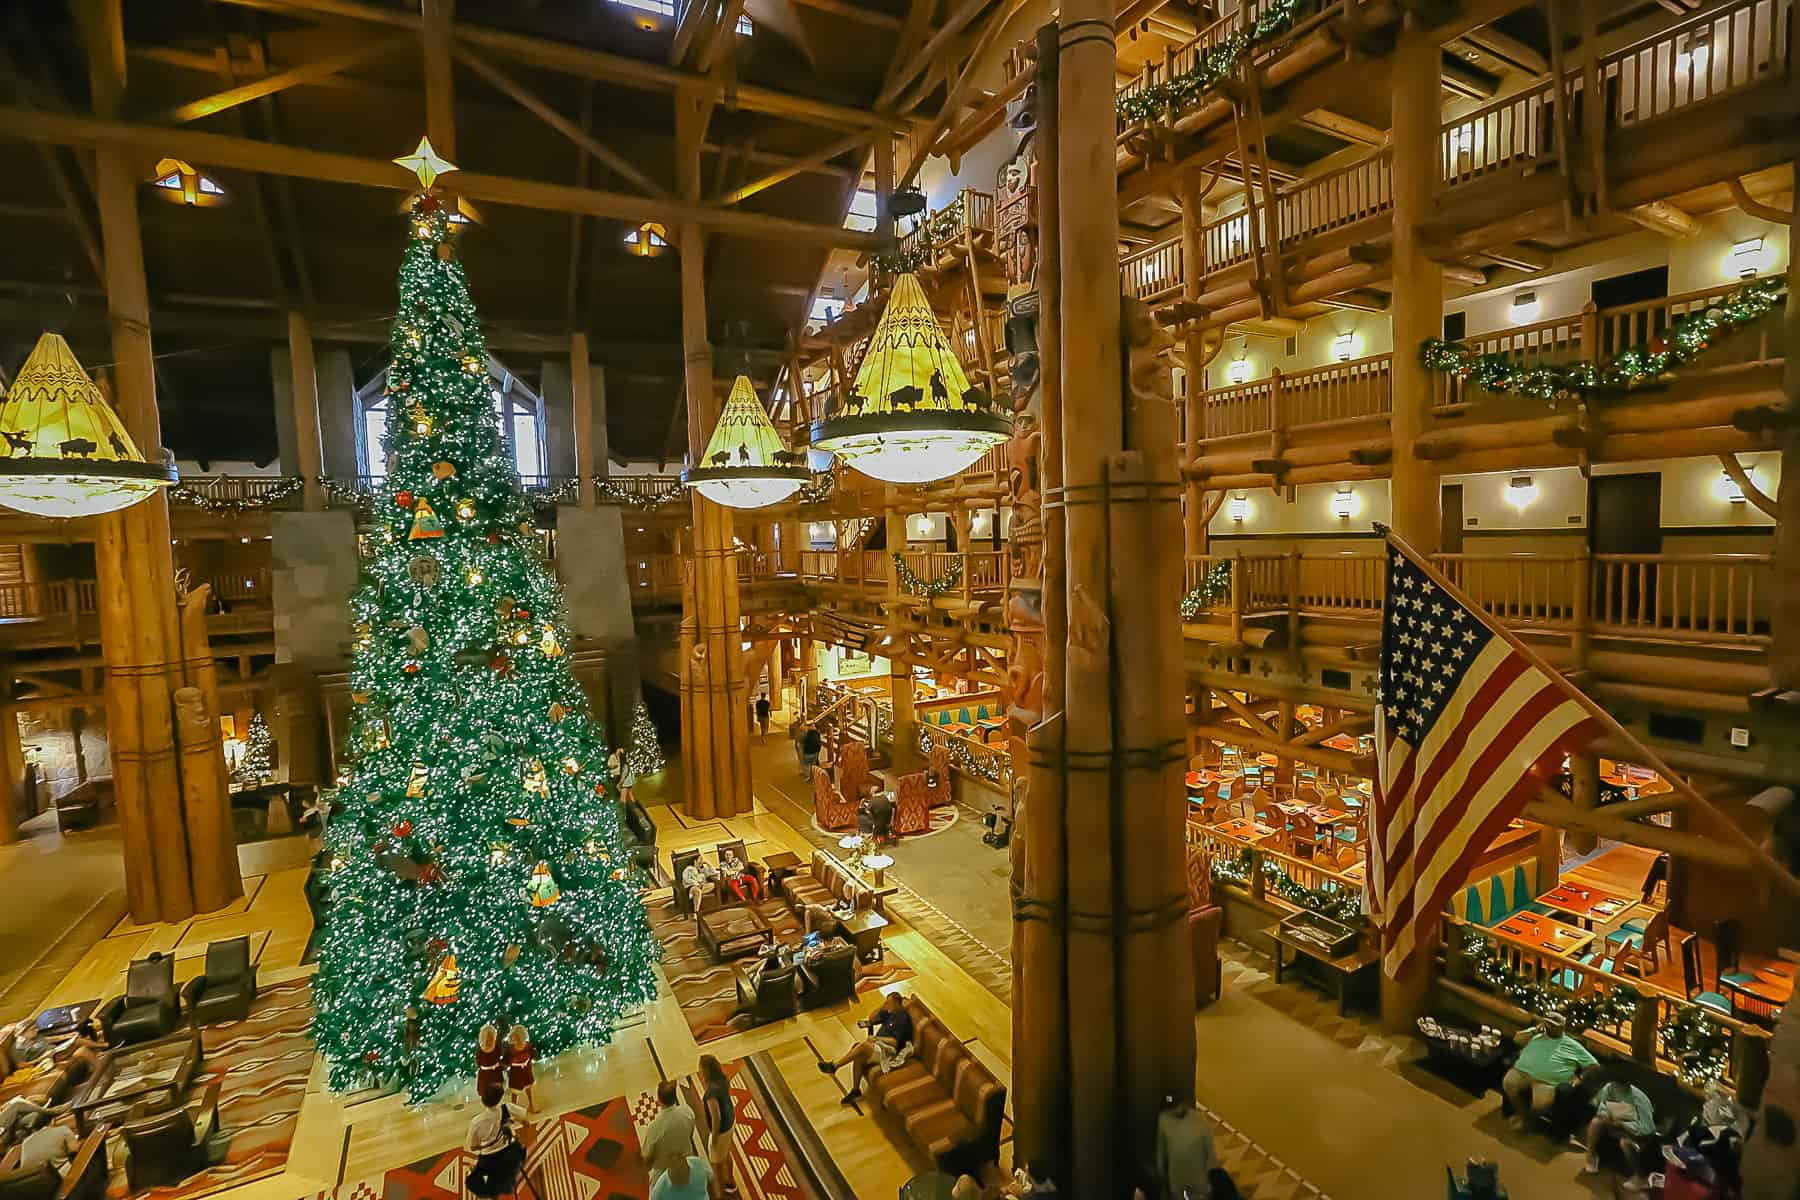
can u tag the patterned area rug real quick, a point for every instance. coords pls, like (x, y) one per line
(942, 818)
(706, 988)
(263, 1063)
(774, 1153)
(589, 1154)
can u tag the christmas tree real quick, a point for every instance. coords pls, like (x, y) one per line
(255, 764)
(644, 755)
(476, 873)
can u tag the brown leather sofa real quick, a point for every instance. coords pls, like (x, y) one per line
(86, 1178)
(825, 881)
(949, 1104)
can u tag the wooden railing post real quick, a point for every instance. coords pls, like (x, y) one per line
(1237, 599)
(1643, 1027)
(1749, 1065)
(1293, 604)
(1590, 331)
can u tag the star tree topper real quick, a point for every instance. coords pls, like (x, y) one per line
(426, 163)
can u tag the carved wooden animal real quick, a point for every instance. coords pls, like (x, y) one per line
(81, 446)
(18, 441)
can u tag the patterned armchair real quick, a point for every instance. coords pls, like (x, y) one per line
(938, 766)
(829, 805)
(912, 805)
(854, 776)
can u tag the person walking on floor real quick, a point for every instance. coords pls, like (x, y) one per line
(687, 1179)
(669, 1138)
(721, 1114)
(493, 1138)
(1185, 1156)
(762, 719)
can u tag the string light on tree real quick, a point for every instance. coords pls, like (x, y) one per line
(433, 932)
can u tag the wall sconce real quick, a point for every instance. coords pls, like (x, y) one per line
(921, 526)
(1240, 507)
(1520, 492)
(982, 523)
(1343, 504)
(1747, 257)
(1524, 308)
(1344, 345)
(1239, 370)
(1727, 488)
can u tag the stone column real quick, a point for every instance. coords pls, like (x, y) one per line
(309, 463)
(1417, 315)
(337, 411)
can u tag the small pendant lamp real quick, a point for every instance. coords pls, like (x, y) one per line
(67, 453)
(911, 416)
(745, 464)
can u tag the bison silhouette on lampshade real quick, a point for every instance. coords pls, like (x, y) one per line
(746, 465)
(66, 452)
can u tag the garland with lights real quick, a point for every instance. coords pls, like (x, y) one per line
(283, 489)
(1631, 369)
(477, 872)
(1342, 906)
(612, 493)
(1610, 1009)
(1213, 588)
(939, 227)
(341, 494)
(563, 491)
(994, 768)
(929, 589)
(1182, 91)
(1699, 1046)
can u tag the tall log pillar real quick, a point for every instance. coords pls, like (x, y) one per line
(1784, 654)
(715, 699)
(1193, 252)
(1584, 777)
(136, 574)
(307, 438)
(12, 773)
(1417, 315)
(1118, 1034)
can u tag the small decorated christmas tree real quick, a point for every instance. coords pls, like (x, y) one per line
(643, 756)
(476, 869)
(256, 764)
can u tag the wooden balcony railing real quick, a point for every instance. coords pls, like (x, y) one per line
(1711, 54)
(1717, 599)
(1324, 395)
(1337, 198)
(1152, 273)
(47, 600)
(251, 491)
(1513, 131)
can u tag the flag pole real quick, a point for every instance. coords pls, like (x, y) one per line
(1650, 757)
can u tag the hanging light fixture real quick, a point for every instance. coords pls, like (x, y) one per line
(68, 455)
(745, 464)
(911, 416)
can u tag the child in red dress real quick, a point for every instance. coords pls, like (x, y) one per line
(518, 1066)
(490, 1060)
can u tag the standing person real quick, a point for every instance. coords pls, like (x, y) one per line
(519, 1075)
(669, 1138)
(1551, 1058)
(620, 768)
(762, 718)
(490, 1060)
(810, 743)
(889, 1044)
(686, 1179)
(493, 1138)
(721, 1115)
(1185, 1157)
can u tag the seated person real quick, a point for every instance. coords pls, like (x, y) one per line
(1551, 1058)
(878, 811)
(1717, 1135)
(740, 877)
(889, 1044)
(85, 1048)
(1621, 1111)
(698, 878)
(818, 919)
(53, 1145)
(19, 1116)
(1030, 1181)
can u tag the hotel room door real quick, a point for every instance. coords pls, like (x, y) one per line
(1624, 527)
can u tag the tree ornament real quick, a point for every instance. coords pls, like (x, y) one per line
(500, 664)
(403, 499)
(557, 712)
(465, 510)
(571, 765)
(371, 1057)
(411, 668)
(511, 955)
(525, 528)
(415, 782)
(473, 775)
(503, 607)
(541, 889)
(443, 470)
(548, 643)
(418, 639)
(537, 782)
(600, 789)
(426, 523)
(445, 983)
(424, 570)
(524, 614)
(473, 364)
(499, 853)
(402, 828)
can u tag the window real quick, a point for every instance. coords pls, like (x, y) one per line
(518, 412)
(521, 421)
(1456, 326)
(862, 211)
(824, 309)
(373, 429)
(745, 29)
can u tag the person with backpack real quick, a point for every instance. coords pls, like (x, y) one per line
(493, 1138)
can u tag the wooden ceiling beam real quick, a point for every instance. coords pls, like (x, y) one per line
(798, 166)
(268, 85)
(86, 232)
(910, 69)
(719, 36)
(438, 19)
(953, 101)
(532, 104)
(259, 200)
(590, 64)
(693, 19)
(1356, 132)
(854, 12)
(243, 154)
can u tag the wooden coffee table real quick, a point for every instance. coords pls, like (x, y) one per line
(862, 929)
(139, 1081)
(734, 932)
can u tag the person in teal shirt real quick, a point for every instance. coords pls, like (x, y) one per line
(1621, 1110)
(686, 1179)
(1550, 1059)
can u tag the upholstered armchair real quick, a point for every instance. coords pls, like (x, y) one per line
(1205, 921)
(227, 989)
(150, 1006)
(830, 806)
(854, 776)
(832, 976)
(86, 1179)
(679, 861)
(912, 805)
(937, 766)
(164, 1150)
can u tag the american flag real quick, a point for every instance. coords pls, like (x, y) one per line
(1467, 730)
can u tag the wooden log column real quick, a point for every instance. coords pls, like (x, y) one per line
(1417, 315)
(1784, 654)
(715, 734)
(307, 438)
(906, 729)
(1194, 358)
(136, 577)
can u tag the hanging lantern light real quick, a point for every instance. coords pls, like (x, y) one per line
(911, 416)
(745, 464)
(648, 240)
(68, 455)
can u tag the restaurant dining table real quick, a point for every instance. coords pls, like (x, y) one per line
(1770, 987)
(1357, 872)
(1245, 830)
(1544, 934)
(1588, 905)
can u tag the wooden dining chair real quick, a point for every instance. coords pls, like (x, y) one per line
(1303, 835)
(1645, 937)
(1305, 793)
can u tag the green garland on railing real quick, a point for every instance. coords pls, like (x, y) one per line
(1215, 587)
(1699, 1046)
(563, 491)
(612, 493)
(940, 226)
(339, 494)
(993, 768)
(1612, 1008)
(1336, 905)
(929, 589)
(1181, 91)
(197, 497)
(1632, 368)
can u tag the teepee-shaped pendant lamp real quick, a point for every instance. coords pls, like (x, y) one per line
(67, 453)
(911, 416)
(745, 464)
